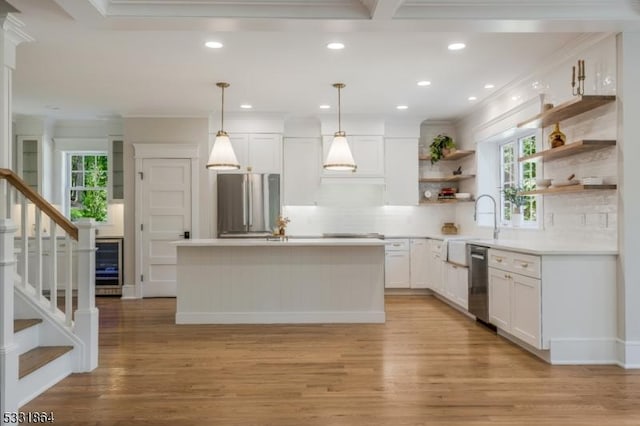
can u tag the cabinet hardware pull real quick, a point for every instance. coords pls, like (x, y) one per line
(525, 265)
(499, 259)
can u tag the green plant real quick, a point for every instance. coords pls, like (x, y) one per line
(437, 147)
(513, 195)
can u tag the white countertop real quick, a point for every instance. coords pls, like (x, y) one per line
(298, 242)
(544, 247)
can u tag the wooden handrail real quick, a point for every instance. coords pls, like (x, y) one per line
(17, 182)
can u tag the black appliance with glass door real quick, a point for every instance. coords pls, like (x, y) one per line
(478, 282)
(108, 266)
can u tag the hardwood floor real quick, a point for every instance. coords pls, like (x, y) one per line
(428, 365)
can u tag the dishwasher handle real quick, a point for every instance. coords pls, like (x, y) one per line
(478, 256)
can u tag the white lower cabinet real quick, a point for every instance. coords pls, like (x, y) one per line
(419, 258)
(515, 299)
(456, 284)
(396, 269)
(435, 279)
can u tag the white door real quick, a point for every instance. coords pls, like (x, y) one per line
(500, 299)
(419, 258)
(396, 269)
(525, 309)
(165, 216)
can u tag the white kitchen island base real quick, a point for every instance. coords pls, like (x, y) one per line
(298, 281)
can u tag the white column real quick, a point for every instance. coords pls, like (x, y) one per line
(628, 48)
(8, 348)
(86, 316)
(10, 36)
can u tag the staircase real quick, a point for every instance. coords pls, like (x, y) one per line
(42, 338)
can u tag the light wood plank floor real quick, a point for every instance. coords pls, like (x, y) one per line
(428, 365)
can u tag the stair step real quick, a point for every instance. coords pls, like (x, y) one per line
(38, 357)
(22, 324)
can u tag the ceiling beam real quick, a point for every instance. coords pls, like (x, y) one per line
(382, 9)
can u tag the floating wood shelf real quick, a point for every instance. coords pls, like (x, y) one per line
(455, 155)
(570, 149)
(569, 188)
(446, 201)
(453, 178)
(575, 106)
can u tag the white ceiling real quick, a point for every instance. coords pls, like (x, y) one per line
(103, 58)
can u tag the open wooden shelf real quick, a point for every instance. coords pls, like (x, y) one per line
(452, 178)
(570, 149)
(446, 201)
(455, 155)
(570, 188)
(575, 106)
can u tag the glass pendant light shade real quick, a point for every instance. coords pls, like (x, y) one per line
(222, 156)
(339, 157)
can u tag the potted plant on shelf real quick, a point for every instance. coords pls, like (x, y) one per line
(441, 145)
(513, 194)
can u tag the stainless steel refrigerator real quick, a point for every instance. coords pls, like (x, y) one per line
(248, 204)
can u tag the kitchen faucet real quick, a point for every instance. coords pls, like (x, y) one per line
(495, 214)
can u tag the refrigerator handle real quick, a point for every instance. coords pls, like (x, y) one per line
(244, 200)
(250, 201)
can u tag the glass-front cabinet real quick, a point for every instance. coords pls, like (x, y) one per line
(28, 159)
(117, 169)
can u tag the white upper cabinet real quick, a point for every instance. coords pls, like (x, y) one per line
(368, 153)
(260, 151)
(401, 171)
(301, 157)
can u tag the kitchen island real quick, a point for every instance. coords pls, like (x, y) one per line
(250, 281)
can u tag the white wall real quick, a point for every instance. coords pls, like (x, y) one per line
(584, 218)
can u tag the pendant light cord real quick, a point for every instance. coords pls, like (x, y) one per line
(339, 120)
(222, 111)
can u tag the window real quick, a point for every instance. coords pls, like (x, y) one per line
(87, 189)
(514, 174)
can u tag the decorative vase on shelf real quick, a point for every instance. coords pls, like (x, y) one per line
(557, 138)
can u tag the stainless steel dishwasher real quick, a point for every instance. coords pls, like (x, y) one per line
(478, 282)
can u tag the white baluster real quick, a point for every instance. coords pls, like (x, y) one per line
(38, 250)
(68, 290)
(24, 231)
(53, 259)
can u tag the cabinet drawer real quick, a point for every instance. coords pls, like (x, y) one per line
(519, 263)
(525, 264)
(396, 244)
(435, 246)
(500, 259)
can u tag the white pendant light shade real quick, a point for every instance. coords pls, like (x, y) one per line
(222, 156)
(339, 157)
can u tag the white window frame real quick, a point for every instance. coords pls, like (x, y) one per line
(519, 171)
(67, 179)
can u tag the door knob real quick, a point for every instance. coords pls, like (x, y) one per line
(186, 235)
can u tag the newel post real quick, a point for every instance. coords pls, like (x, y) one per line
(8, 348)
(86, 316)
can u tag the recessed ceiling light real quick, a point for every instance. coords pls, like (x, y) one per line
(489, 86)
(325, 106)
(246, 106)
(402, 107)
(424, 83)
(472, 98)
(457, 46)
(335, 46)
(213, 44)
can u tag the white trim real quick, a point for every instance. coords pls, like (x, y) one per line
(158, 151)
(628, 353)
(279, 317)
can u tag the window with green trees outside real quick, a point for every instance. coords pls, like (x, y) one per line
(88, 186)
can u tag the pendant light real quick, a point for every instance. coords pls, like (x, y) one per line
(339, 156)
(222, 156)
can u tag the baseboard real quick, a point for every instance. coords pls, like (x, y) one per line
(322, 317)
(583, 351)
(129, 291)
(407, 292)
(628, 353)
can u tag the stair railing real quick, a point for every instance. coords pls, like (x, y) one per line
(38, 260)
